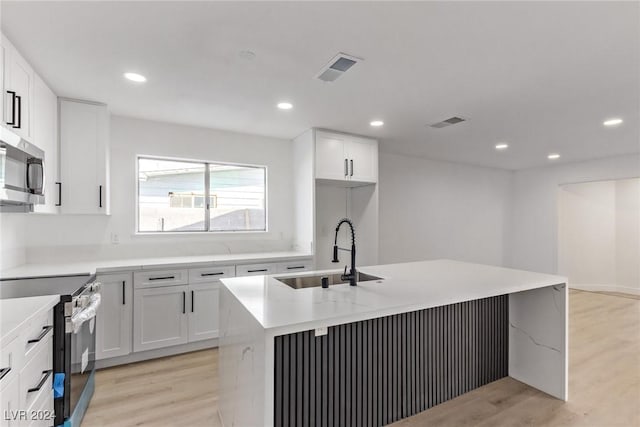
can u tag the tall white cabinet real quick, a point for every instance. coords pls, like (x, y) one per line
(45, 135)
(343, 179)
(84, 157)
(29, 108)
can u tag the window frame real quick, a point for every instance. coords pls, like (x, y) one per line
(206, 210)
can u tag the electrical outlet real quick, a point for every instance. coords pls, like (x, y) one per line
(321, 331)
(115, 239)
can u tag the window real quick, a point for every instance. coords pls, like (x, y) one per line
(172, 196)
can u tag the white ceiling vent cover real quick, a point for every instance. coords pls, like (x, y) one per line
(337, 67)
(450, 121)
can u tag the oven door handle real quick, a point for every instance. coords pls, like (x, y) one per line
(87, 313)
(45, 377)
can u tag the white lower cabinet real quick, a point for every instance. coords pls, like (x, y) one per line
(204, 311)
(10, 401)
(114, 321)
(159, 317)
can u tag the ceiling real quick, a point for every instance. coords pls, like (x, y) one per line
(541, 76)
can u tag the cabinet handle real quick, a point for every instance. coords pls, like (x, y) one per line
(13, 108)
(162, 278)
(100, 196)
(45, 376)
(257, 271)
(346, 167)
(351, 167)
(123, 293)
(4, 371)
(59, 184)
(184, 302)
(297, 267)
(19, 124)
(45, 331)
(211, 274)
(192, 301)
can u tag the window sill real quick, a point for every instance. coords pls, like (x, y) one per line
(196, 233)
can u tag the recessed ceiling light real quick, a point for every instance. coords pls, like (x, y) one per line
(502, 146)
(285, 105)
(376, 123)
(135, 77)
(553, 156)
(612, 122)
(247, 54)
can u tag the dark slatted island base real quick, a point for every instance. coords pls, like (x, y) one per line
(377, 371)
(414, 336)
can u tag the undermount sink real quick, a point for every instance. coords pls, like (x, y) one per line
(302, 282)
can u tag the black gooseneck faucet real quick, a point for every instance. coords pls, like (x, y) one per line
(353, 274)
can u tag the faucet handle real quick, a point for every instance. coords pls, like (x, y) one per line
(345, 271)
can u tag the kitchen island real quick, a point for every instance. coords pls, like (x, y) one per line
(385, 349)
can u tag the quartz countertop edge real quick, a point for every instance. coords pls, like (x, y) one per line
(16, 312)
(405, 288)
(35, 270)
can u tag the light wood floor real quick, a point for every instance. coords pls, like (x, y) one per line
(604, 383)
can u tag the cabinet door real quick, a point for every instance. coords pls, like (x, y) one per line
(363, 159)
(84, 157)
(160, 317)
(18, 79)
(204, 311)
(10, 402)
(45, 136)
(114, 323)
(330, 156)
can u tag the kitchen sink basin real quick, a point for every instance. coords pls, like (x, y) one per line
(302, 282)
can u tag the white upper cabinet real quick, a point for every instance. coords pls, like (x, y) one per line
(346, 159)
(18, 92)
(331, 159)
(84, 157)
(45, 136)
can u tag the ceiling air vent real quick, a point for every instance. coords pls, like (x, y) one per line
(450, 121)
(337, 67)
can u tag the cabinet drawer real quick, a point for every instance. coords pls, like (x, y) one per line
(157, 278)
(295, 266)
(39, 329)
(11, 360)
(211, 274)
(256, 269)
(41, 413)
(37, 374)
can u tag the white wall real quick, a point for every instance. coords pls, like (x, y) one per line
(12, 231)
(85, 237)
(533, 234)
(432, 209)
(628, 235)
(599, 235)
(587, 233)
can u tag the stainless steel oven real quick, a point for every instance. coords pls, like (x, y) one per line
(21, 173)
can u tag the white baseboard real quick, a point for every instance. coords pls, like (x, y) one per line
(605, 288)
(154, 354)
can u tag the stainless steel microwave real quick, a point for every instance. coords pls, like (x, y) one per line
(21, 173)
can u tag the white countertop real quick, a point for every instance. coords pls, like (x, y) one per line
(104, 266)
(15, 312)
(406, 287)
